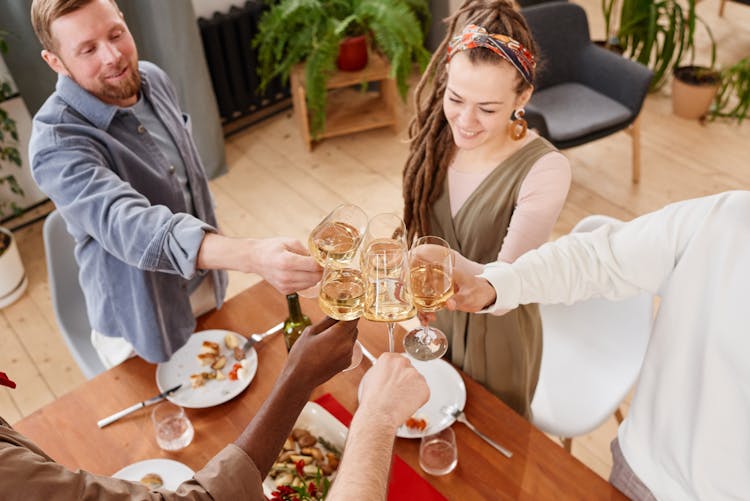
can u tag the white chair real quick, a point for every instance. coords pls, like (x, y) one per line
(67, 296)
(592, 354)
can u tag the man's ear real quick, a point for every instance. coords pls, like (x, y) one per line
(54, 62)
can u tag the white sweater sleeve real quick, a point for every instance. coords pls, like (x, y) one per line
(614, 261)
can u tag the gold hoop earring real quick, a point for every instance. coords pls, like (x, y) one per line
(518, 127)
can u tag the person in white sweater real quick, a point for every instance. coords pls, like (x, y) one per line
(687, 434)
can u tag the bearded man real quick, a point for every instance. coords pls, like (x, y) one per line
(114, 152)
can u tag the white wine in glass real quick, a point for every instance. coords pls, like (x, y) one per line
(431, 280)
(334, 240)
(431, 287)
(342, 293)
(336, 237)
(387, 297)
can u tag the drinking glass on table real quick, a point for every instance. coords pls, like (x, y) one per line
(431, 275)
(174, 431)
(336, 237)
(387, 296)
(438, 454)
(342, 296)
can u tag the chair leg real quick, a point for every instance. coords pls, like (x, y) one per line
(635, 136)
(567, 444)
(618, 416)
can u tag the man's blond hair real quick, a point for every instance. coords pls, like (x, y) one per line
(44, 12)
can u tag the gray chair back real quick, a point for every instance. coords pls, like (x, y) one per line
(561, 32)
(66, 294)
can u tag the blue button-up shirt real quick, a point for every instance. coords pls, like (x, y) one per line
(136, 243)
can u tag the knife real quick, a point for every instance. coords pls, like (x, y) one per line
(151, 401)
(254, 338)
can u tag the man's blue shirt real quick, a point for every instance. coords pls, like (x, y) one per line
(136, 243)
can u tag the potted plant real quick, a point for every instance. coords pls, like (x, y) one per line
(291, 32)
(733, 97)
(693, 90)
(13, 281)
(658, 34)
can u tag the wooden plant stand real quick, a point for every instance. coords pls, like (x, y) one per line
(348, 108)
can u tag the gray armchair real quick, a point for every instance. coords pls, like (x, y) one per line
(583, 92)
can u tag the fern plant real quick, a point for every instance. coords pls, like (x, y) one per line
(309, 31)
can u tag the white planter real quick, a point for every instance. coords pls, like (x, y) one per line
(13, 281)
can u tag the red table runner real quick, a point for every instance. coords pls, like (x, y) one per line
(405, 483)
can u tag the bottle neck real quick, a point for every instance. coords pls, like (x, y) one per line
(295, 312)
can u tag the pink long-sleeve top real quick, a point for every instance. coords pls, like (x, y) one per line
(540, 200)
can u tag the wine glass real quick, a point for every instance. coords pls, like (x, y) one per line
(342, 293)
(336, 237)
(431, 276)
(387, 296)
(384, 231)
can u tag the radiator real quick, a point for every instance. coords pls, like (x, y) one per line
(232, 62)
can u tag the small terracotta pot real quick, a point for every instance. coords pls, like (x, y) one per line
(692, 100)
(352, 53)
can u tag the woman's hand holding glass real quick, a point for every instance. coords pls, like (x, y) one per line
(431, 278)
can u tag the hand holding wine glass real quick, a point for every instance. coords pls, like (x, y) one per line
(431, 277)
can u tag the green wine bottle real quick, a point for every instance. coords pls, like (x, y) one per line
(296, 322)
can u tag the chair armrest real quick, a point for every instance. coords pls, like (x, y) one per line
(615, 76)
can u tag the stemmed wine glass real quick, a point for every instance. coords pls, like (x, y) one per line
(336, 237)
(342, 293)
(386, 272)
(431, 276)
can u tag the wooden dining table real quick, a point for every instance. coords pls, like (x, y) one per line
(66, 428)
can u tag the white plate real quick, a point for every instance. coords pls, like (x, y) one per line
(320, 423)
(446, 389)
(184, 362)
(173, 473)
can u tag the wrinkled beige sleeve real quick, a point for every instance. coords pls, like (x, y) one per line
(26, 472)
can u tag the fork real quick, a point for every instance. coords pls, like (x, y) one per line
(461, 417)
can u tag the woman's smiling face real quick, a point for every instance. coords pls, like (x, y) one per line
(479, 100)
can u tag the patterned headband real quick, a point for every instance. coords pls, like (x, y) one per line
(502, 45)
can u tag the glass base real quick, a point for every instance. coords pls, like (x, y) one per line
(427, 345)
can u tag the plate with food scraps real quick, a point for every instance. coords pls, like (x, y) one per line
(317, 440)
(446, 389)
(210, 368)
(157, 473)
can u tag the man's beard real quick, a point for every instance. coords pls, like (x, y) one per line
(123, 90)
(108, 92)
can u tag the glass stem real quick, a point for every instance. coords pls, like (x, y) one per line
(390, 336)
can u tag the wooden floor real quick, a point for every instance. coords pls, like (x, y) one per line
(275, 187)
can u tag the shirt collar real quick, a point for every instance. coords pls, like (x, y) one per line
(92, 108)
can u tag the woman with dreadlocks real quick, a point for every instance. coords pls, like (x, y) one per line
(478, 178)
